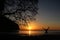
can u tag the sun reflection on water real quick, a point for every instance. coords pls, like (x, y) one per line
(31, 33)
(31, 30)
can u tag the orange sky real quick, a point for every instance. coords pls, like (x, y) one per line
(38, 26)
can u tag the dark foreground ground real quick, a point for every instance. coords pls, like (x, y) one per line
(18, 37)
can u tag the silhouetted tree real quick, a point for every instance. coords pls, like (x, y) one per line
(1, 6)
(6, 25)
(22, 10)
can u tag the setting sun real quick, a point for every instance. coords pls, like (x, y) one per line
(31, 29)
(31, 26)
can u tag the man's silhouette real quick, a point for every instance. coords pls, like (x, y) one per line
(46, 29)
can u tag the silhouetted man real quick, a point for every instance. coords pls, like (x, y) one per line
(46, 29)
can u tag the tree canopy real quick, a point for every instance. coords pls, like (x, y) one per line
(22, 10)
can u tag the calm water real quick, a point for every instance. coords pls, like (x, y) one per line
(36, 33)
(32, 33)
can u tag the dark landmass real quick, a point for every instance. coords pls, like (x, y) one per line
(19, 37)
(6, 25)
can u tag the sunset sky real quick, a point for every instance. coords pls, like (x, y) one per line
(49, 13)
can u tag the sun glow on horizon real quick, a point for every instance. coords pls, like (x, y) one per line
(31, 26)
(31, 29)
